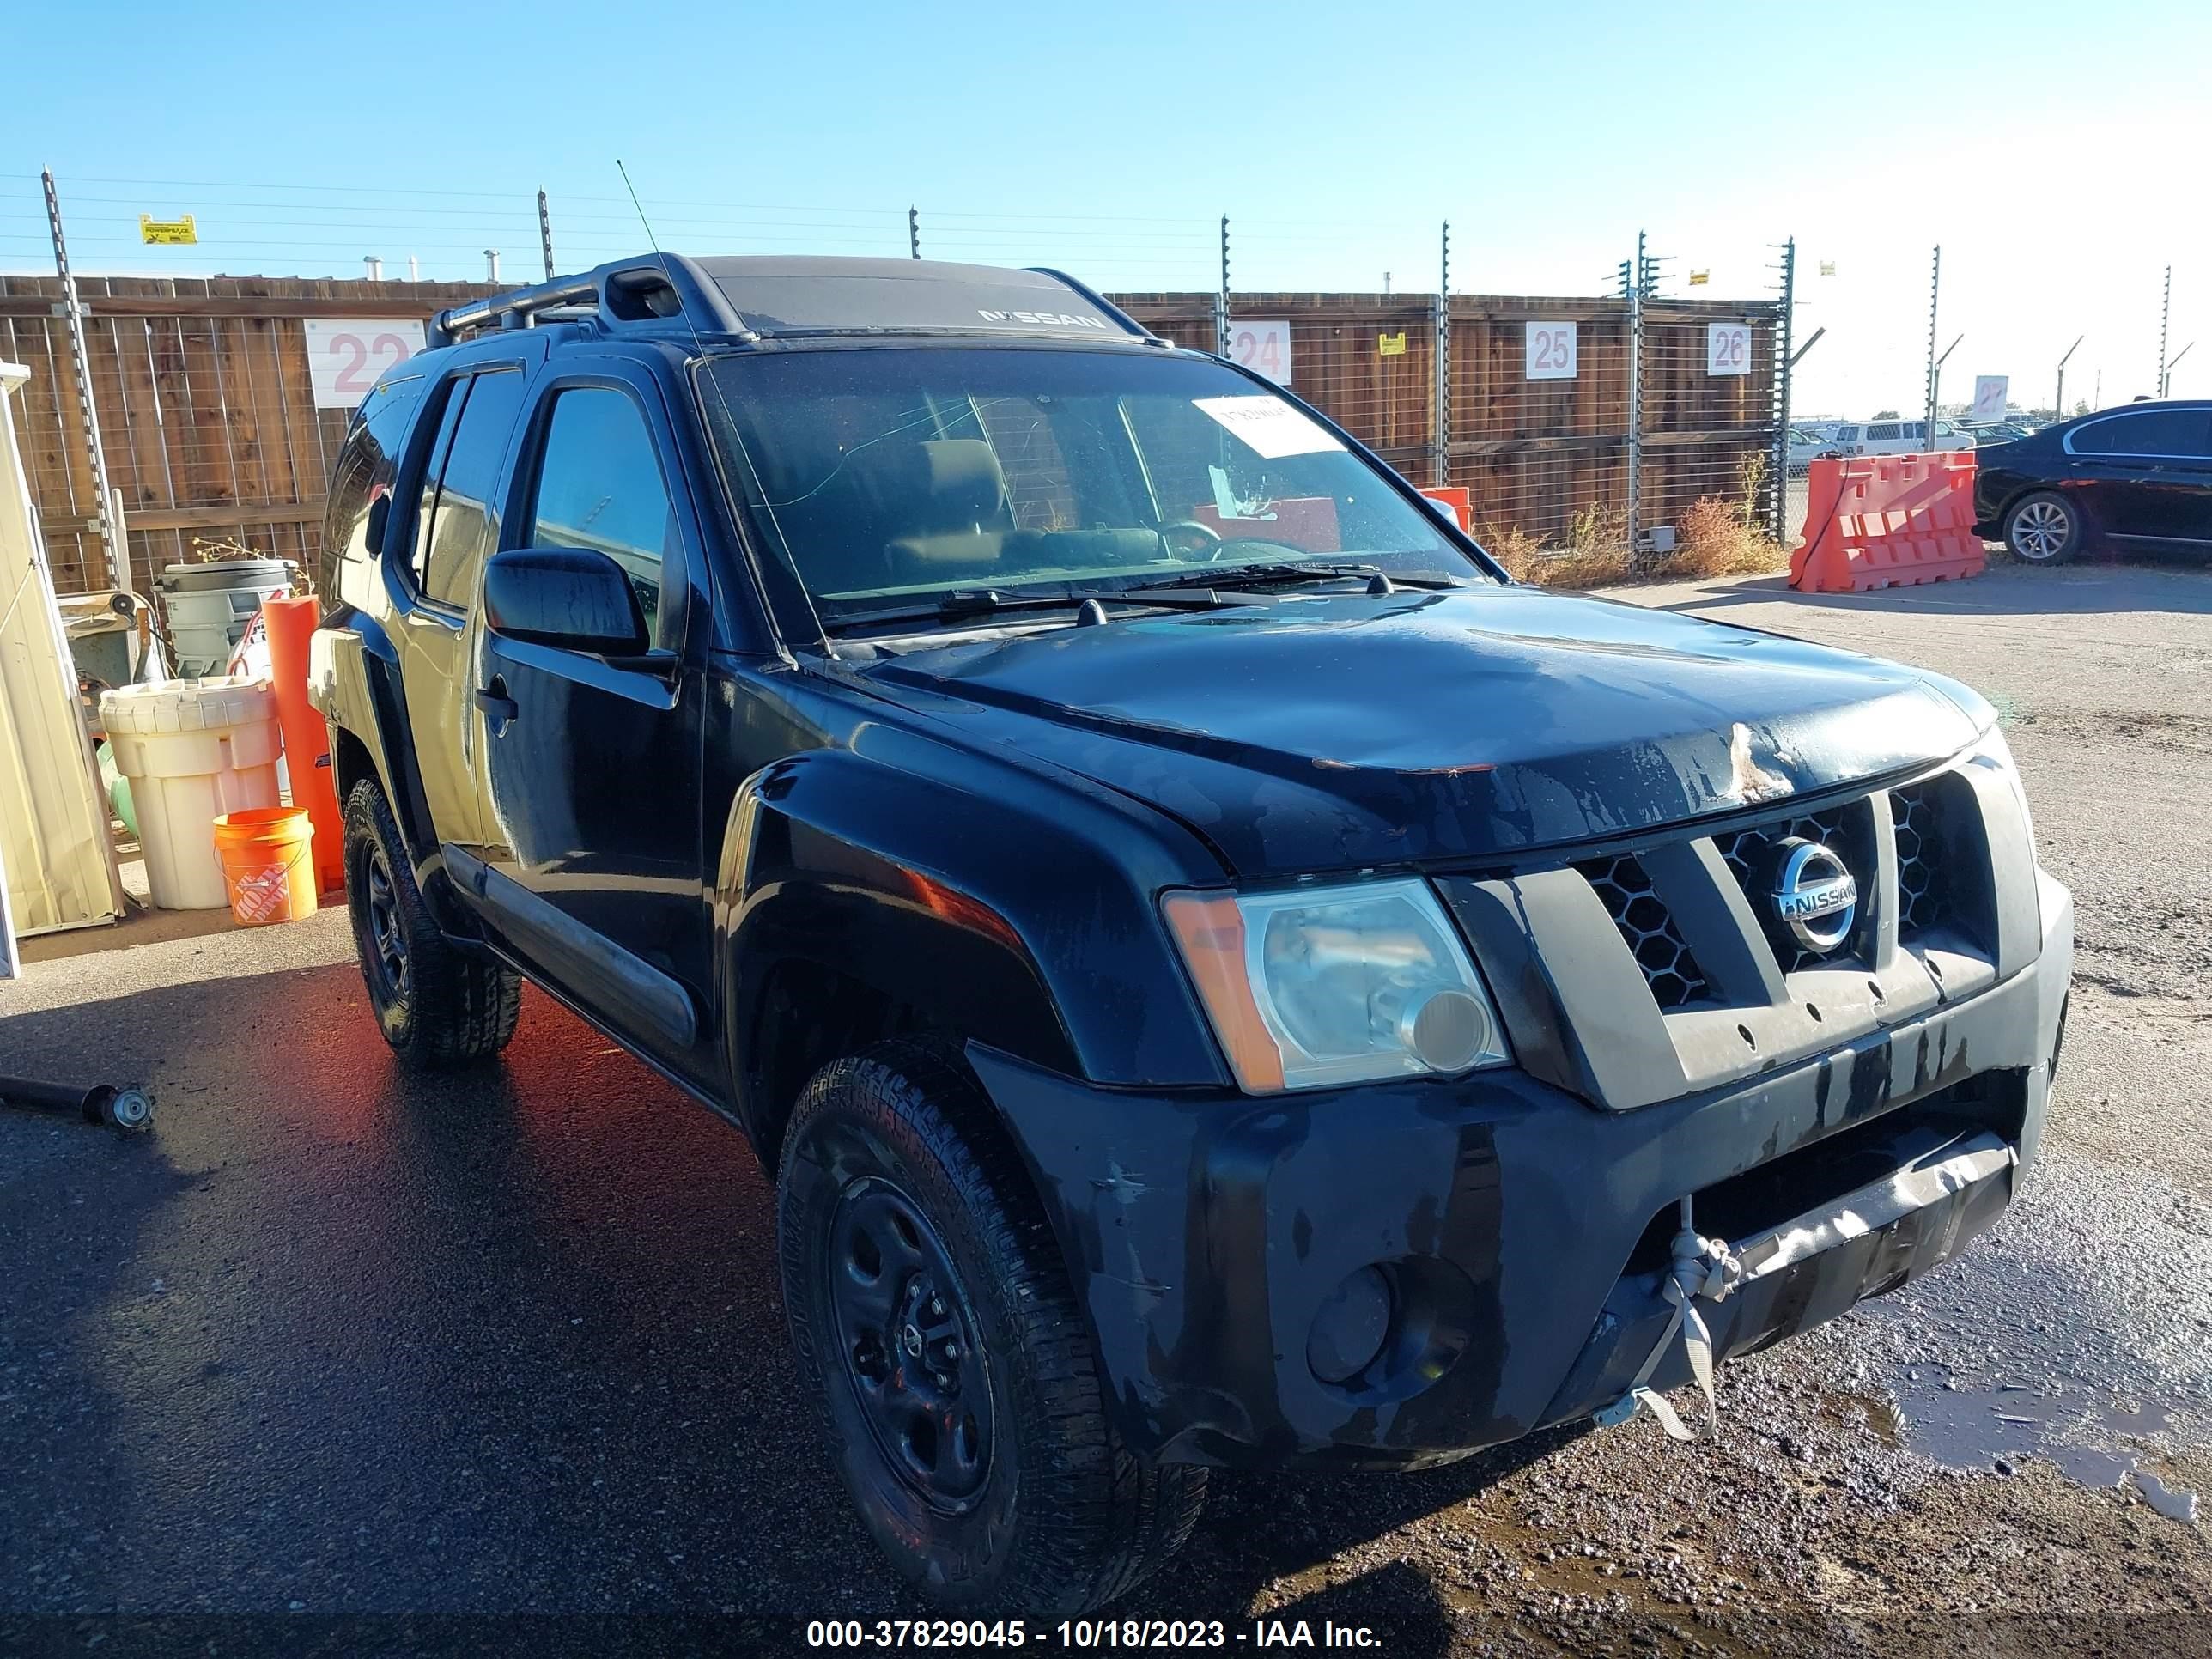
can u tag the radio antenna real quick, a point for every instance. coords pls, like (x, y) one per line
(729, 420)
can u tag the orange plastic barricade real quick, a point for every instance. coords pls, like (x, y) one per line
(307, 737)
(1888, 521)
(1455, 497)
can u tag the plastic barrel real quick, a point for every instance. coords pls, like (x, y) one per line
(209, 607)
(268, 864)
(291, 624)
(193, 750)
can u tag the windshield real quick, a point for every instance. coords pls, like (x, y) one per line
(891, 477)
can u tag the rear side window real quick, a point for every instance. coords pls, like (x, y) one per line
(464, 525)
(2154, 431)
(1888, 430)
(601, 486)
(364, 473)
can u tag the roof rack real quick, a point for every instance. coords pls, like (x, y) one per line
(650, 287)
(762, 297)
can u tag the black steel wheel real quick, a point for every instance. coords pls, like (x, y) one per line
(907, 1338)
(436, 1005)
(933, 1314)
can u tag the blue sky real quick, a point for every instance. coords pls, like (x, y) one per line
(2058, 152)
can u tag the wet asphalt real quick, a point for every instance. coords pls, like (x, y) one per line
(336, 1348)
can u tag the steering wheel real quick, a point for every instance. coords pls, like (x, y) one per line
(1191, 541)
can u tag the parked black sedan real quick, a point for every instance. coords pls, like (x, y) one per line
(2139, 475)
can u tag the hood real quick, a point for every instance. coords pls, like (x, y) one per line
(1318, 733)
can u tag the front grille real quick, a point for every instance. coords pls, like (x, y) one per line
(1922, 895)
(1749, 855)
(1648, 929)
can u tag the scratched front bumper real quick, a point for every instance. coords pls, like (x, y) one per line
(1204, 1232)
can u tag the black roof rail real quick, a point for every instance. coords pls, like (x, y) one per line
(649, 288)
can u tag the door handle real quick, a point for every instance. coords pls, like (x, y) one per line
(498, 706)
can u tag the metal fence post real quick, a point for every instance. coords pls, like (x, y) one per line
(913, 232)
(1934, 291)
(1632, 282)
(1440, 464)
(1221, 307)
(545, 233)
(111, 532)
(2164, 315)
(1784, 343)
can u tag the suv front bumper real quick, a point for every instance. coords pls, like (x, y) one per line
(1514, 1222)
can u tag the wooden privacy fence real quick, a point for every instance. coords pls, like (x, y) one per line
(210, 426)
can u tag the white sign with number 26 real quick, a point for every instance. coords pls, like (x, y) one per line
(1263, 347)
(1551, 351)
(1728, 348)
(344, 357)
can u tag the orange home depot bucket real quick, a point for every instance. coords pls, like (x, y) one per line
(268, 865)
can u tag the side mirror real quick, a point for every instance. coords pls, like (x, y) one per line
(574, 598)
(379, 515)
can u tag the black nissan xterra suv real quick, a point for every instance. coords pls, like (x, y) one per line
(1217, 974)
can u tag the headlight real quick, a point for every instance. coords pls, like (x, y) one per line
(1335, 985)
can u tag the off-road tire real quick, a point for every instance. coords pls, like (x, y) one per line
(445, 1009)
(2030, 522)
(1067, 1519)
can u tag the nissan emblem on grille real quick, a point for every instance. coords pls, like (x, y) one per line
(1815, 895)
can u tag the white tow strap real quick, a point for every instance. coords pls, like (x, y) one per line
(1711, 1269)
(1703, 1268)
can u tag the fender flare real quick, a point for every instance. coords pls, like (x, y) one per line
(1013, 917)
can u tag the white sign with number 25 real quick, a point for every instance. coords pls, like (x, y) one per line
(1728, 348)
(1551, 351)
(346, 357)
(1263, 347)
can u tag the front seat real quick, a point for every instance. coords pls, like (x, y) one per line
(954, 495)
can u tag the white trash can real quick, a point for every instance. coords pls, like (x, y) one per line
(193, 750)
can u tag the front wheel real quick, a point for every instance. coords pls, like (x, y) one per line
(929, 1308)
(436, 1007)
(2044, 528)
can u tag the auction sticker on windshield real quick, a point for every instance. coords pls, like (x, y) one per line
(1269, 427)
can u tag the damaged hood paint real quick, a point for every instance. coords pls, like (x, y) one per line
(1340, 732)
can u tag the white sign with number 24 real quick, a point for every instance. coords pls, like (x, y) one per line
(1263, 347)
(1551, 351)
(1728, 348)
(344, 357)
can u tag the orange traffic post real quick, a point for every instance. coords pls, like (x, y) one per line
(291, 623)
(1888, 521)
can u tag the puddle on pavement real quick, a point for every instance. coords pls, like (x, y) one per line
(1992, 1429)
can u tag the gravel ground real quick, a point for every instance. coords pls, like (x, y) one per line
(336, 1343)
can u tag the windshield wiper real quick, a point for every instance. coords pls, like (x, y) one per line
(969, 604)
(1235, 576)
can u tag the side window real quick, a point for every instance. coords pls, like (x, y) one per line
(364, 474)
(465, 527)
(600, 485)
(1877, 434)
(2154, 431)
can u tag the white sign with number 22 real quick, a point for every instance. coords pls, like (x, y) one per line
(1551, 351)
(346, 357)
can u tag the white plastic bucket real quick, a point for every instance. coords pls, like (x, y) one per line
(193, 750)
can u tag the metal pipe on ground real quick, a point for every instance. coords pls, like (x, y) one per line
(118, 1109)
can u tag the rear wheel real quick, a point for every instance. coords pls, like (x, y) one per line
(2044, 528)
(436, 1006)
(929, 1306)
